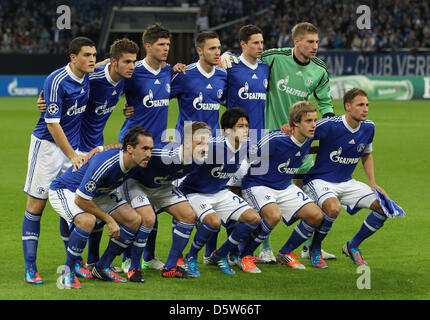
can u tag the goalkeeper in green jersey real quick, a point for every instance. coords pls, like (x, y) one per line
(295, 75)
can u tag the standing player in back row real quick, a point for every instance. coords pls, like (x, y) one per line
(295, 74)
(148, 90)
(247, 81)
(202, 89)
(55, 141)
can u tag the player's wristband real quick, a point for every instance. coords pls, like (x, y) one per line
(101, 148)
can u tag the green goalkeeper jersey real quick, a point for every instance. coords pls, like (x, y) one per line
(290, 82)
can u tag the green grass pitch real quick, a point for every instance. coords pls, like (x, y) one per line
(398, 254)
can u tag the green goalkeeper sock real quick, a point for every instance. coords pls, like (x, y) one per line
(308, 242)
(265, 244)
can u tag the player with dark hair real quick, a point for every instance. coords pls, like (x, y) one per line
(148, 91)
(88, 194)
(55, 141)
(202, 89)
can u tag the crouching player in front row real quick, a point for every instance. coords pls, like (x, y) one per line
(274, 196)
(206, 191)
(343, 142)
(85, 195)
(152, 189)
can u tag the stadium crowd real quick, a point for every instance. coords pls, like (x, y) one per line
(30, 26)
(394, 25)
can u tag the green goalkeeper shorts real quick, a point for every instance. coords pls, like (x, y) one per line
(307, 164)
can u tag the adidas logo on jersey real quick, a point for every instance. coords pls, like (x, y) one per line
(209, 86)
(298, 154)
(156, 81)
(82, 91)
(254, 76)
(114, 92)
(352, 141)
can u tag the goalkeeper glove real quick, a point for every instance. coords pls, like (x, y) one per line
(226, 59)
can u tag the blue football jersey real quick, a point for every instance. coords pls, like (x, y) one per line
(165, 166)
(101, 175)
(221, 164)
(247, 86)
(104, 96)
(340, 148)
(281, 156)
(66, 98)
(200, 95)
(148, 91)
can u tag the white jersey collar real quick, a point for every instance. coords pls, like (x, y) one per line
(203, 72)
(297, 141)
(248, 64)
(74, 76)
(121, 162)
(345, 123)
(181, 153)
(231, 147)
(108, 77)
(150, 69)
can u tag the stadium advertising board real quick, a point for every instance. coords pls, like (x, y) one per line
(398, 63)
(383, 88)
(21, 86)
(378, 87)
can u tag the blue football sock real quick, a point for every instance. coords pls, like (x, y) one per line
(94, 243)
(126, 254)
(240, 233)
(320, 234)
(77, 241)
(235, 249)
(300, 234)
(138, 246)
(116, 246)
(30, 237)
(203, 234)
(149, 250)
(373, 222)
(64, 232)
(181, 235)
(211, 244)
(256, 238)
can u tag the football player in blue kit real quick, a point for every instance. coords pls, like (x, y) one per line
(89, 194)
(247, 80)
(202, 88)
(148, 91)
(274, 196)
(55, 141)
(152, 189)
(206, 190)
(343, 142)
